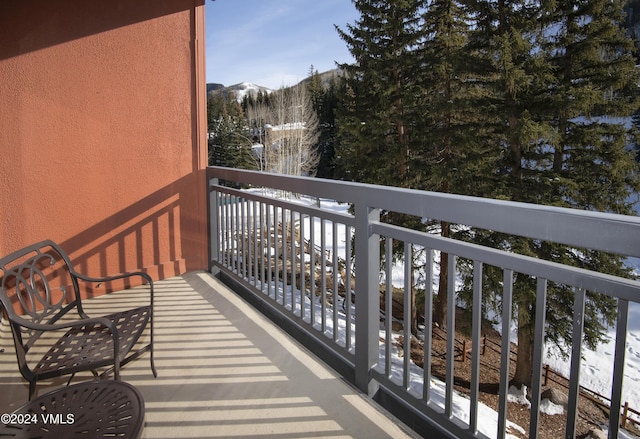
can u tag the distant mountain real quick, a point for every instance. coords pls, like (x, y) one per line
(239, 90)
(213, 87)
(247, 88)
(326, 77)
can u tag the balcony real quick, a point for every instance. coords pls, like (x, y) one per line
(226, 370)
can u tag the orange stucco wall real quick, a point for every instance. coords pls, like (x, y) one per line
(102, 132)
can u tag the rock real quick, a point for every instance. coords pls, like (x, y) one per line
(596, 434)
(555, 396)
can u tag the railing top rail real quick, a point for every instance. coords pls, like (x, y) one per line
(613, 233)
(563, 274)
(342, 218)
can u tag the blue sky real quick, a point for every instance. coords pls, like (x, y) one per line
(273, 43)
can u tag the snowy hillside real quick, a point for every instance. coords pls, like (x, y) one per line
(240, 90)
(248, 88)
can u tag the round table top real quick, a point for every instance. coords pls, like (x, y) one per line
(93, 409)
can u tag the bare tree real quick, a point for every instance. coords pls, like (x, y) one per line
(292, 133)
(257, 117)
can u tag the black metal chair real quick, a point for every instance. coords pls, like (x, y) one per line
(40, 283)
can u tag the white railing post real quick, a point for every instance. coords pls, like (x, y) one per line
(214, 229)
(367, 260)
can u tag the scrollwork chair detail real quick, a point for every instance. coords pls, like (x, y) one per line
(38, 290)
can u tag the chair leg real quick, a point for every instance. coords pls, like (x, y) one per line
(153, 366)
(32, 389)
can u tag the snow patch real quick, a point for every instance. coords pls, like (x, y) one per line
(518, 396)
(550, 408)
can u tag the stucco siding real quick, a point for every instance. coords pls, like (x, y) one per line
(100, 135)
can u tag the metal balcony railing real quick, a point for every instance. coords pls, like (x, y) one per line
(319, 271)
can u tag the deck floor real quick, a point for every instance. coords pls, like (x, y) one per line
(224, 370)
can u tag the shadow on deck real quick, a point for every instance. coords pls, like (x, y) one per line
(224, 370)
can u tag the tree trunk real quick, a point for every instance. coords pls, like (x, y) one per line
(440, 306)
(524, 361)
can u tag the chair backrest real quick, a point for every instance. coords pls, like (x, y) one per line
(37, 285)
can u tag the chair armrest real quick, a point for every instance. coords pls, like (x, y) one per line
(145, 276)
(115, 277)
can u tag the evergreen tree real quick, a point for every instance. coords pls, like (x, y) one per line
(635, 119)
(589, 165)
(508, 99)
(515, 76)
(324, 102)
(229, 141)
(455, 150)
(632, 23)
(314, 87)
(562, 72)
(376, 121)
(328, 130)
(595, 91)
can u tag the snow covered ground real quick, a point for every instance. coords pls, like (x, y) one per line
(597, 366)
(596, 371)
